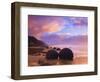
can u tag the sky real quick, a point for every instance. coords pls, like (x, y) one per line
(58, 29)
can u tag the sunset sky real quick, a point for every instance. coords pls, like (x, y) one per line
(58, 29)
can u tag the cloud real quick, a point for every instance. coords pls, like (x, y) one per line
(54, 26)
(53, 39)
(38, 25)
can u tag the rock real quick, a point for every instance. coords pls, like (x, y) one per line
(34, 42)
(35, 45)
(66, 54)
(58, 49)
(52, 54)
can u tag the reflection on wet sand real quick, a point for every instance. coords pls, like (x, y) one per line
(42, 61)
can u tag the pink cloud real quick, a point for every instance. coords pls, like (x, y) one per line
(38, 26)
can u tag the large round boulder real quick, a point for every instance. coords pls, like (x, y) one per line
(52, 54)
(66, 54)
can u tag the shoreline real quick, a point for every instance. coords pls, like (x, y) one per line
(41, 61)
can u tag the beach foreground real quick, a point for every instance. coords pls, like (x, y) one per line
(40, 60)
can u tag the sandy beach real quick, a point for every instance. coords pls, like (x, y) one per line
(41, 61)
(80, 57)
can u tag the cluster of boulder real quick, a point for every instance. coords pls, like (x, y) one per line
(65, 54)
(35, 45)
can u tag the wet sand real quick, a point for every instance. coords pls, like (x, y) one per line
(41, 61)
(80, 56)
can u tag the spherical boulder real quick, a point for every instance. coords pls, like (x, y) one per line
(66, 54)
(52, 54)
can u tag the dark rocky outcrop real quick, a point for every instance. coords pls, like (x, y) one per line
(32, 41)
(35, 45)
